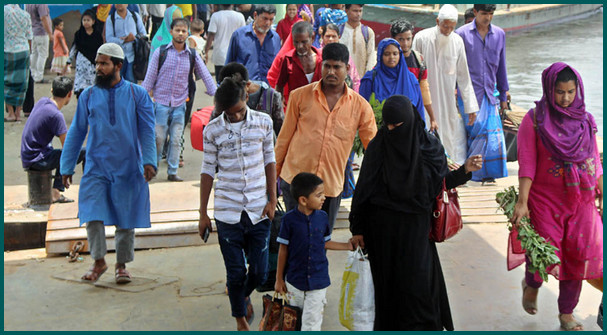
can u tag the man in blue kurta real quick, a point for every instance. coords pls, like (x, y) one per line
(121, 158)
(486, 54)
(255, 45)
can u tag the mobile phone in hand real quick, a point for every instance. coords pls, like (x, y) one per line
(205, 235)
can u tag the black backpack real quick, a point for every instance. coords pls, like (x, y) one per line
(142, 49)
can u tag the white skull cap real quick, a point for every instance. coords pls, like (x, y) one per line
(112, 50)
(448, 12)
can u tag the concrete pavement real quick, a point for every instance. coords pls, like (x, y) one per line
(483, 295)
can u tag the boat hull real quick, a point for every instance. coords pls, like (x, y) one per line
(379, 17)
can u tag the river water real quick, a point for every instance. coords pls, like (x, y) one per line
(578, 43)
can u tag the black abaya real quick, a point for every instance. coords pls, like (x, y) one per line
(399, 179)
(410, 290)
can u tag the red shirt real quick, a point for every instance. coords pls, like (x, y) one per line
(292, 74)
(283, 28)
(414, 67)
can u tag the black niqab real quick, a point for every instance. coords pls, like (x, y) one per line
(403, 168)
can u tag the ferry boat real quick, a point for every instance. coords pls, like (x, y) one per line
(511, 18)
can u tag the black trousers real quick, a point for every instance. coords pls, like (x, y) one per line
(51, 162)
(156, 23)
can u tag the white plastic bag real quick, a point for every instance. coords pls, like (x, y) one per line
(357, 300)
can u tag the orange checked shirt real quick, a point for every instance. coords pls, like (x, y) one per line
(317, 140)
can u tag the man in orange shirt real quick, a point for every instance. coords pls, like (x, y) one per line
(319, 129)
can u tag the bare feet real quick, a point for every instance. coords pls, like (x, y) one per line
(11, 113)
(242, 324)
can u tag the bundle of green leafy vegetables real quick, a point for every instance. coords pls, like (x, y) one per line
(377, 107)
(541, 253)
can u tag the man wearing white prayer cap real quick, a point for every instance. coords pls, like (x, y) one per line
(445, 57)
(118, 117)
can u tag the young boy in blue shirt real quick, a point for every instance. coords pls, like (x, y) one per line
(304, 236)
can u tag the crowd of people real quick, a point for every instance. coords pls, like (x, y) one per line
(288, 105)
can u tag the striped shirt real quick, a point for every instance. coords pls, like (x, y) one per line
(240, 156)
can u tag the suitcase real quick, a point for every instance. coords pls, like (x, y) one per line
(200, 119)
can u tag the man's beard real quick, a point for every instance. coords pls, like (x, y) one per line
(442, 40)
(261, 31)
(104, 81)
(303, 54)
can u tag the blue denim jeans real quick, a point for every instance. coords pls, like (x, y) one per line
(126, 72)
(169, 122)
(237, 241)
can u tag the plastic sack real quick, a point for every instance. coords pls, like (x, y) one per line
(357, 298)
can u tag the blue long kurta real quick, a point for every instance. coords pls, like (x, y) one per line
(121, 140)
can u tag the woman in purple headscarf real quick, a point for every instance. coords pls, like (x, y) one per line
(560, 177)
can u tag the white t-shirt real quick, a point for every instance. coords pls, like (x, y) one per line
(198, 43)
(223, 24)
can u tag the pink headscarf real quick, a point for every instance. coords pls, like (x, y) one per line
(568, 133)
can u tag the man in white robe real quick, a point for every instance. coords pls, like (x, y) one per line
(445, 57)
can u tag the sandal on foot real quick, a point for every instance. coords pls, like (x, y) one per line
(529, 306)
(122, 276)
(574, 325)
(93, 274)
(488, 182)
(63, 200)
(250, 313)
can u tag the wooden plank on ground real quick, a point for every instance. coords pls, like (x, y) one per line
(165, 217)
(466, 206)
(485, 219)
(175, 216)
(480, 211)
(155, 229)
(63, 211)
(141, 242)
(477, 198)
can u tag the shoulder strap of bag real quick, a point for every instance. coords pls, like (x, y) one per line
(420, 61)
(162, 56)
(192, 61)
(373, 77)
(341, 29)
(365, 31)
(266, 100)
(363, 28)
(133, 95)
(114, 22)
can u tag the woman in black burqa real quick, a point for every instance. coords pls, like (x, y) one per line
(400, 177)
